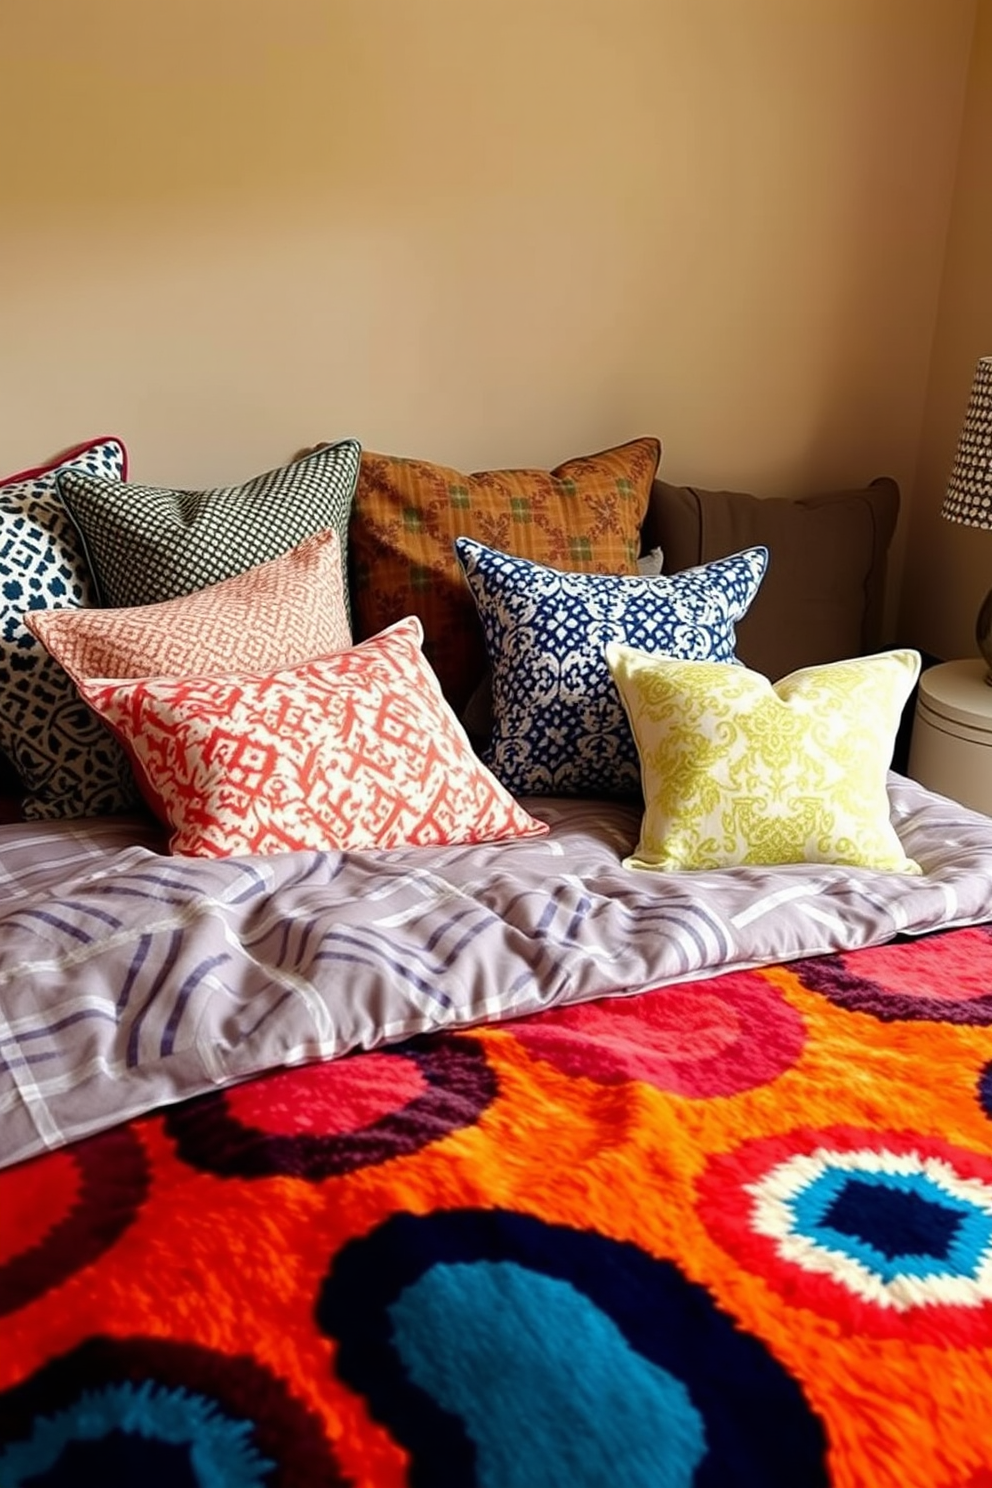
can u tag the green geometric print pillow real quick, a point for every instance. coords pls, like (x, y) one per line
(737, 770)
(145, 544)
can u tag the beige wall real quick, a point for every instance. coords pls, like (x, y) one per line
(949, 567)
(478, 231)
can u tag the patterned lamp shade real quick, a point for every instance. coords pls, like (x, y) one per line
(969, 490)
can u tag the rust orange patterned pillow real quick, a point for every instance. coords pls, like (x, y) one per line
(584, 516)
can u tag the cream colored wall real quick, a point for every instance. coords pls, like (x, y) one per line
(478, 231)
(949, 567)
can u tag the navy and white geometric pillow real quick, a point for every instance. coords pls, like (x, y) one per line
(150, 543)
(559, 727)
(67, 761)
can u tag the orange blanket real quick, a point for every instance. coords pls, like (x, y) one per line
(735, 1231)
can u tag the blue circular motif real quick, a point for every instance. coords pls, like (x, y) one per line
(487, 1341)
(888, 1233)
(115, 1433)
(894, 1224)
(159, 1414)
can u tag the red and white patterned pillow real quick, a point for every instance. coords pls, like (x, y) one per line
(274, 615)
(349, 751)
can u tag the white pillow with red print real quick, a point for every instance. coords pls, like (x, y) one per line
(353, 750)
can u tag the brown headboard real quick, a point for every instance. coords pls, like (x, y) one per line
(822, 596)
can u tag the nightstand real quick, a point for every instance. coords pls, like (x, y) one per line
(951, 747)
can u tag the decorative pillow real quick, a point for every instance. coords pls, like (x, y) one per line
(584, 515)
(739, 770)
(350, 751)
(558, 724)
(276, 615)
(150, 543)
(477, 715)
(66, 761)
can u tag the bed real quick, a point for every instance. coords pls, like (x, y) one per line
(530, 1159)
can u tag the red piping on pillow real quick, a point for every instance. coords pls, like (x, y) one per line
(69, 454)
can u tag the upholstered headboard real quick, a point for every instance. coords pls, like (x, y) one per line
(822, 596)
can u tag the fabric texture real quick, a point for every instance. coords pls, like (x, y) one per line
(558, 723)
(738, 770)
(66, 762)
(277, 614)
(349, 751)
(185, 973)
(145, 544)
(732, 1232)
(584, 515)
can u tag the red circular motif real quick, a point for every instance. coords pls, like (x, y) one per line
(343, 1096)
(65, 1210)
(698, 1039)
(727, 1200)
(943, 980)
(922, 969)
(391, 1104)
(33, 1201)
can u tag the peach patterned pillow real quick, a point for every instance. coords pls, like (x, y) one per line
(350, 751)
(584, 516)
(276, 614)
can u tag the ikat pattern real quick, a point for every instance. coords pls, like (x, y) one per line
(559, 726)
(279, 614)
(349, 751)
(189, 973)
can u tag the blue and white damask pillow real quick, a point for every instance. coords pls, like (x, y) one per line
(67, 762)
(559, 727)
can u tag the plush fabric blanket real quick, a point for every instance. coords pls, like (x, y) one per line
(729, 1231)
(504, 1168)
(129, 979)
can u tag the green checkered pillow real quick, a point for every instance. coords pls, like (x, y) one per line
(145, 544)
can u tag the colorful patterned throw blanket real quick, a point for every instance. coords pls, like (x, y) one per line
(736, 1231)
(729, 1229)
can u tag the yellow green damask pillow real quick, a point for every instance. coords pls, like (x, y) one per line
(738, 770)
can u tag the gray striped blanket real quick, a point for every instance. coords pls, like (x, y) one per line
(130, 979)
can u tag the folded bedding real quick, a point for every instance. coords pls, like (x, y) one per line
(129, 978)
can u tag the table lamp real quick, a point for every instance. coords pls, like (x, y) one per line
(969, 490)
